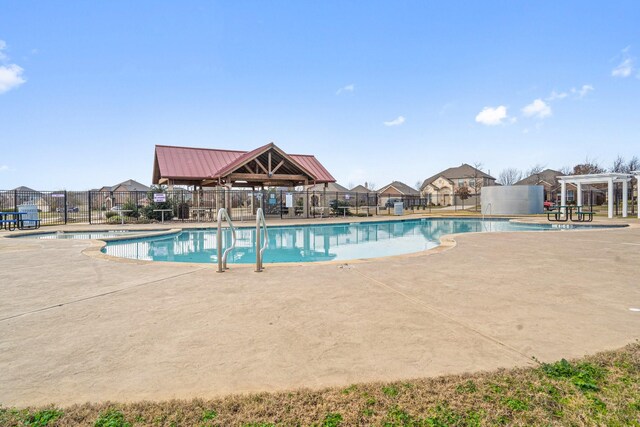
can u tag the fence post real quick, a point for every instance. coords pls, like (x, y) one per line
(89, 204)
(15, 200)
(66, 208)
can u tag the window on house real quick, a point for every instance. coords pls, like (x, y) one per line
(570, 195)
(472, 183)
(460, 182)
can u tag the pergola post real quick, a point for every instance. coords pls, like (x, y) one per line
(579, 195)
(625, 195)
(610, 197)
(563, 195)
(638, 192)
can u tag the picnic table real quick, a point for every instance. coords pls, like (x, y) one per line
(344, 210)
(121, 211)
(202, 214)
(11, 220)
(565, 213)
(162, 211)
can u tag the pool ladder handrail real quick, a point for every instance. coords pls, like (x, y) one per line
(490, 207)
(260, 250)
(222, 257)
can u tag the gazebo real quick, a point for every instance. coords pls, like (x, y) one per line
(600, 178)
(267, 166)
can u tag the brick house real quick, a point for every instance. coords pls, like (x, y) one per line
(441, 187)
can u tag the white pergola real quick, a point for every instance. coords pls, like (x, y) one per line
(600, 178)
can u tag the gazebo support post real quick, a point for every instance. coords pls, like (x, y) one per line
(563, 195)
(579, 195)
(625, 195)
(610, 197)
(638, 193)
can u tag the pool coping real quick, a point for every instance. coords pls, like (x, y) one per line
(446, 242)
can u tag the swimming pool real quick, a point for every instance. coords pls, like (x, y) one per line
(310, 243)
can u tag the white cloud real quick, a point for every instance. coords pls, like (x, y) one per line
(10, 74)
(10, 77)
(3, 46)
(347, 88)
(4, 168)
(625, 68)
(395, 122)
(583, 91)
(492, 116)
(537, 108)
(557, 95)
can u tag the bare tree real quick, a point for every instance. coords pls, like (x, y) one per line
(535, 170)
(371, 186)
(588, 167)
(509, 176)
(632, 166)
(566, 170)
(418, 185)
(478, 181)
(463, 193)
(619, 165)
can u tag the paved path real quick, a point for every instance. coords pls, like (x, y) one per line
(75, 328)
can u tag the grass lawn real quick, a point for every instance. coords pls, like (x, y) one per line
(603, 389)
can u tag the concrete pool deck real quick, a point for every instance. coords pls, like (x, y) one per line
(76, 328)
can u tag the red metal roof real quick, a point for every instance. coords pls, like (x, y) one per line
(187, 163)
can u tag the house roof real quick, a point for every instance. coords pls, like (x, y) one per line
(23, 188)
(361, 189)
(197, 164)
(462, 171)
(331, 186)
(401, 187)
(548, 175)
(132, 185)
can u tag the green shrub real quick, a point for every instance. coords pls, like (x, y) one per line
(131, 205)
(111, 418)
(337, 205)
(114, 219)
(42, 418)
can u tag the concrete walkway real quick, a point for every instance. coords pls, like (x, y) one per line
(76, 328)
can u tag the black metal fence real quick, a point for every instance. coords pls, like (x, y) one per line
(106, 207)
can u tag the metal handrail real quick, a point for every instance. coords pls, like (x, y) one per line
(490, 208)
(222, 257)
(260, 250)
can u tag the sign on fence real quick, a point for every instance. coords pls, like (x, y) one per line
(159, 197)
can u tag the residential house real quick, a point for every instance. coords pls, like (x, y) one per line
(441, 188)
(361, 189)
(329, 187)
(10, 199)
(119, 194)
(365, 195)
(548, 179)
(397, 191)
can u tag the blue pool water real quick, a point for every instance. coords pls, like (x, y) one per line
(308, 243)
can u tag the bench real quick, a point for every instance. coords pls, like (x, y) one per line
(584, 216)
(9, 224)
(558, 214)
(36, 224)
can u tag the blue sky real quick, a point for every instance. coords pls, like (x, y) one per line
(378, 91)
